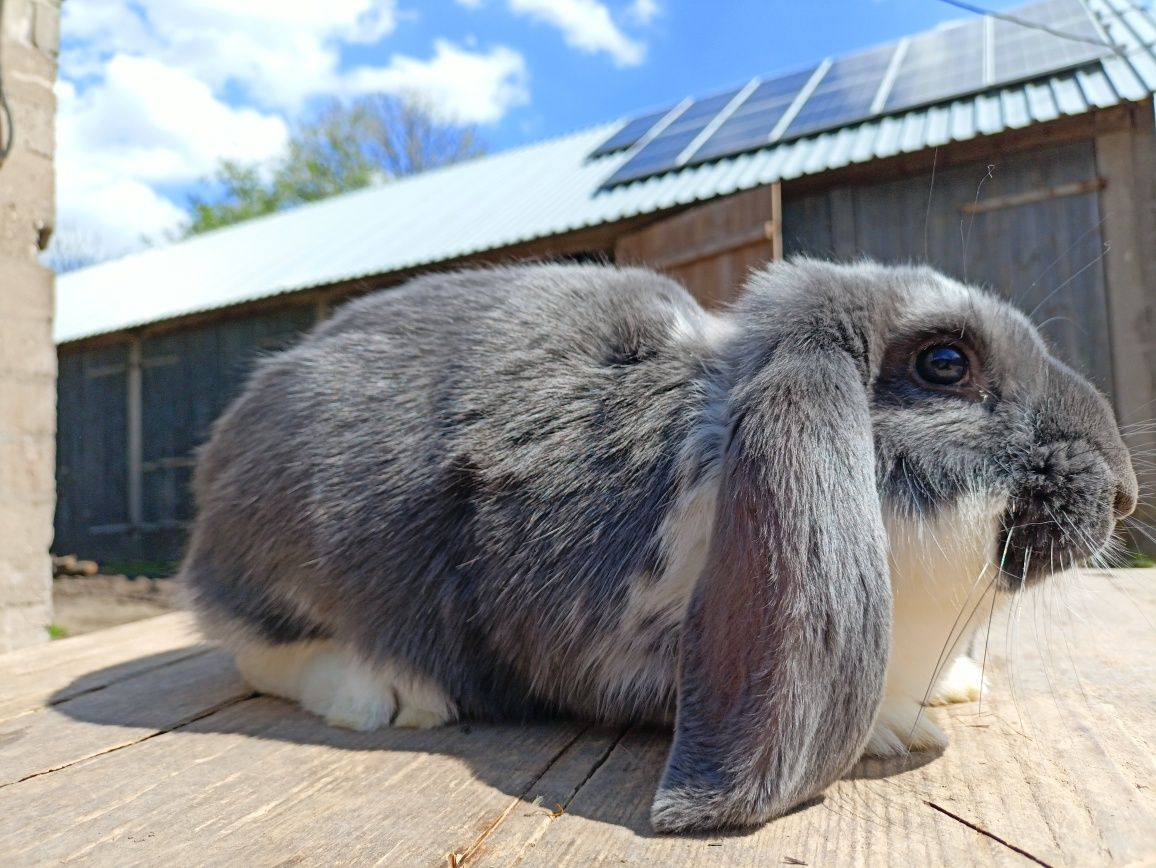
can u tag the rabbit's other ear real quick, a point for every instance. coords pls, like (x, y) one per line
(784, 646)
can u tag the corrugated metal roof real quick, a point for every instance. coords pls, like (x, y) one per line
(548, 189)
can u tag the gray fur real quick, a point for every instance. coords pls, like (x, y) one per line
(470, 475)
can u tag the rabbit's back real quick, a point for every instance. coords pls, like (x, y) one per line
(468, 474)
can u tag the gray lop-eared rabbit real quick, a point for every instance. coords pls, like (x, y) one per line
(569, 490)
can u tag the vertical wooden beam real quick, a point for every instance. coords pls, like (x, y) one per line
(776, 225)
(1126, 159)
(134, 435)
(320, 309)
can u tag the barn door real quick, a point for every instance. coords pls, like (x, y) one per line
(188, 377)
(91, 497)
(1028, 229)
(711, 247)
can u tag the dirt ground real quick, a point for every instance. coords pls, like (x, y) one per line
(85, 604)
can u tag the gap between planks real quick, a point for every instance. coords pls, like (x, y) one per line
(181, 724)
(50, 674)
(457, 860)
(62, 696)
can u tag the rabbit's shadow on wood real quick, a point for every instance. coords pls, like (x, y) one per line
(607, 774)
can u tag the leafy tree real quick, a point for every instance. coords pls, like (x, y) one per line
(344, 146)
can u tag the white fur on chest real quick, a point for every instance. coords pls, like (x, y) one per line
(631, 674)
(941, 579)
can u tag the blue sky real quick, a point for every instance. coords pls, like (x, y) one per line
(153, 94)
(690, 49)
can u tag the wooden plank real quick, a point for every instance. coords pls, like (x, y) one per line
(32, 678)
(708, 247)
(134, 459)
(711, 247)
(263, 783)
(91, 474)
(1127, 158)
(1058, 768)
(1029, 196)
(776, 224)
(547, 799)
(844, 243)
(1062, 773)
(858, 822)
(99, 721)
(807, 226)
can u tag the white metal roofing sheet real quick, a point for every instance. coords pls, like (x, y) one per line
(542, 190)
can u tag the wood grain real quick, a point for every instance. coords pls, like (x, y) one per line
(168, 760)
(262, 783)
(740, 232)
(104, 720)
(34, 677)
(1063, 773)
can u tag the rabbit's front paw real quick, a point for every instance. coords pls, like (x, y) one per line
(903, 726)
(332, 682)
(962, 683)
(346, 692)
(353, 694)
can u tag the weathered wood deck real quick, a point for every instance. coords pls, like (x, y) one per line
(137, 745)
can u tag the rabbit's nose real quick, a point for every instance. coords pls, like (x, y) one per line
(1125, 503)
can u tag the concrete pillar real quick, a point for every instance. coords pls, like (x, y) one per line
(29, 37)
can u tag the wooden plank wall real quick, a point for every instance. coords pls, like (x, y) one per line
(1037, 238)
(187, 379)
(91, 473)
(1127, 161)
(710, 248)
(1043, 251)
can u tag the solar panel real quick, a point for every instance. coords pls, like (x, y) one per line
(845, 94)
(751, 123)
(938, 65)
(952, 61)
(630, 134)
(1021, 52)
(661, 153)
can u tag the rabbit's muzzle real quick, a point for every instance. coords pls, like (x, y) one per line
(1064, 510)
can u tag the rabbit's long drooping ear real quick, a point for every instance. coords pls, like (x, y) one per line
(784, 646)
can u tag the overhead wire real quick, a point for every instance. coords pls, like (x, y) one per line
(1031, 25)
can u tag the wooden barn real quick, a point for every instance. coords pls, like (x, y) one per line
(1018, 152)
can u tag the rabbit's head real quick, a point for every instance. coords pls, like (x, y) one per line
(968, 404)
(855, 391)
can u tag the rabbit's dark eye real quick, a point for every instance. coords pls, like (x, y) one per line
(942, 366)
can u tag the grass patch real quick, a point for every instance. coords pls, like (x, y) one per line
(55, 631)
(152, 569)
(1139, 559)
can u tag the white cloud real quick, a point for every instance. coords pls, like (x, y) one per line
(277, 52)
(470, 87)
(586, 25)
(145, 124)
(153, 95)
(642, 12)
(108, 215)
(160, 124)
